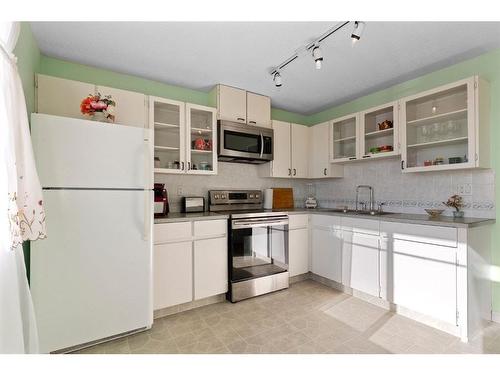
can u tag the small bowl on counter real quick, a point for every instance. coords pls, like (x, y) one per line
(432, 212)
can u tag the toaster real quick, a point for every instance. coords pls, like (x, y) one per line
(193, 204)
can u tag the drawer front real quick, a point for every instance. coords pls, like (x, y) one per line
(365, 226)
(210, 228)
(171, 232)
(325, 221)
(297, 221)
(442, 236)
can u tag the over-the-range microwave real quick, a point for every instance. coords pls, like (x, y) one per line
(242, 143)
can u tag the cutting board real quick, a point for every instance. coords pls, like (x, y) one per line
(282, 198)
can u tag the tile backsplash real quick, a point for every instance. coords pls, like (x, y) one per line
(230, 176)
(401, 192)
(411, 192)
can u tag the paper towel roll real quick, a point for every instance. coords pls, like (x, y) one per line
(268, 199)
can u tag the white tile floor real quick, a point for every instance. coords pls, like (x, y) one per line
(306, 318)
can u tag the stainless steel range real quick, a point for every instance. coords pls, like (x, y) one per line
(257, 243)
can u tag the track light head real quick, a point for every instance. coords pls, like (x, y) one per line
(359, 26)
(277, 79)
(317, 56)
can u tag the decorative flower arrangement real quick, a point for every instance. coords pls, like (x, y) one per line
(455, 201)
(93, 104)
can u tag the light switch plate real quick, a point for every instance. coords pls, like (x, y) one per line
(180, 190)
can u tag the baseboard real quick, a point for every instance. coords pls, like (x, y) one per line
(160, 313)
(495, 316)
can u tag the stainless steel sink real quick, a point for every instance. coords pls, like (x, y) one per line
(354, 212)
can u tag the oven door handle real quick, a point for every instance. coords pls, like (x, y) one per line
(240, 224)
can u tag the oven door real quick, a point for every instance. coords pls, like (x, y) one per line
(240, 141)
(258, 247)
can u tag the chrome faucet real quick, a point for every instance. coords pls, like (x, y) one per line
(358, 188)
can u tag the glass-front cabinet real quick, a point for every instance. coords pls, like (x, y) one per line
(379, 131)
(442, 128)
(184, 137)
(201, 139)
(343, 140)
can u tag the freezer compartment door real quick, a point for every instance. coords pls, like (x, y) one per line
(73, 153)
(91, 278)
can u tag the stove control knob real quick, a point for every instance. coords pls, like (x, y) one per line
(257, 196)
(216, 196)
(251, 196)
(223, 196)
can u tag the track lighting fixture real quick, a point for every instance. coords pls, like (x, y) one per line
(313, 48)
(277, 79)
(357, 31)
(317, 56)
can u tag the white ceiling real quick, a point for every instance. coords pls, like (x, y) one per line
(198, 55)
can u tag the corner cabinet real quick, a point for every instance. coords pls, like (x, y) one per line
(447, 127)
(184, 137)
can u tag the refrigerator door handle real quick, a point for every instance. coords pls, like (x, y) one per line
(147, 191)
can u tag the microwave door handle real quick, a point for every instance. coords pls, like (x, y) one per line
(261, 145)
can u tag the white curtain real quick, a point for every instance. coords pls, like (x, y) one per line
(21, 207)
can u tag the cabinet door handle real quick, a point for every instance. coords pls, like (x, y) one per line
(252, 122)
(352, 158)
(367, 156)
(289, 172)
(402, 164)
(240, 119)
(324, 171)
(189, 166)
(182, 165)
(294, 172)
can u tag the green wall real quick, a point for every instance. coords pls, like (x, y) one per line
(486, 65)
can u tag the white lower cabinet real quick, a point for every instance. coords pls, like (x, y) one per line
(210, 267)
(360, 262)
(298, 251)
(327, 253)
(172, 274)
(190, 261)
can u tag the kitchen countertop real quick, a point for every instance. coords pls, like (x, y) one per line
(423, 219)
(174, 217)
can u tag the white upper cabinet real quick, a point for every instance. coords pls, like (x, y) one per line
(319, 160)
(184, 137)
(238, 105)
(300, 150)
(447, 127)
(232, 104)
(130, 106)
(379, 132)
(291, 149)
(258, 110)
(61, 97)
(344, 139)
(280, 166)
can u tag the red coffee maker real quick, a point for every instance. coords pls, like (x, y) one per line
(161, 200)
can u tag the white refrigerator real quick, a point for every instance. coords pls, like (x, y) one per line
(91, 278)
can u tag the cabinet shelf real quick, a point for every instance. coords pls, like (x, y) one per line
(200, 130)
(165, 125)
(453, 115)
(379, 133)
(345, 139)
(166, 148)
(439, 143)
(201, 151)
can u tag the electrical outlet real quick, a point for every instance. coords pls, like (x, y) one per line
(180, 190)
(464, 189)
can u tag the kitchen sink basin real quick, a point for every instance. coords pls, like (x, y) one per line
(354, 212)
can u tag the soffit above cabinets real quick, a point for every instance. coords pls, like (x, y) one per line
(198, 55)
